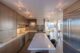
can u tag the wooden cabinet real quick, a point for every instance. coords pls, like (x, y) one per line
(22, 41)
(26, 37)
(7, 18)
(12, 47)
(21, 20)
(7, 23)
(30, 35)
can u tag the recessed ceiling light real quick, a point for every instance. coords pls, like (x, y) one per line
(20, 5)
(59, 6)
(30, 16)
(27, 12)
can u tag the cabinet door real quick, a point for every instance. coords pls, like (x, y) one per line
(12, 47)
(7, 18)
(26, 37)
(7, 23)
(12, 20)
(21, 20)
(3, 18)
(18, 19)
(21, 42)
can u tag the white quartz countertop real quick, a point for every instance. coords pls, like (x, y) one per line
(15, 38)
(41, 42)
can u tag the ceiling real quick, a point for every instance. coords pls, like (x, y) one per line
(38, 8)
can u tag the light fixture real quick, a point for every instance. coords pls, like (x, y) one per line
(50, 14)
(20, 5)
(30, 16)
(59, 6)
(32, 23)
(27, 12)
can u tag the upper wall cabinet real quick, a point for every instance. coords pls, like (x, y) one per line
(7, 23)
(21, 20)
(7, 18)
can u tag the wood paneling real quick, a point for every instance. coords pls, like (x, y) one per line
(72, 11)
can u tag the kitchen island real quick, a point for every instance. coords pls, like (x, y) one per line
(41, 43)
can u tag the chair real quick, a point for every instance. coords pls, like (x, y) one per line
(53, 42)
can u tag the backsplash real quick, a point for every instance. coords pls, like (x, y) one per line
(21, 30)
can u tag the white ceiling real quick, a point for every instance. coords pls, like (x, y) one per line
(37, 8)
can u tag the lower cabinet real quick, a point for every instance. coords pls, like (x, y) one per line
(22, 43)
(13, 47)
(31, 34)
(16, 45)
(26, 38)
